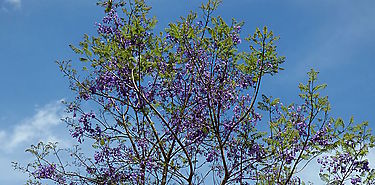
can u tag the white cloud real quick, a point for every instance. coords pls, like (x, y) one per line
(39, 127)
(45, 125)
(7, 5)
(311, 172)
(371, 158)
(8, 175)
(15, 3)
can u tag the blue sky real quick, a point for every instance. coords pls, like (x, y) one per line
(335, 37)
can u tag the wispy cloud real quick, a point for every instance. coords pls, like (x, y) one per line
(39, 127)
(7, 5)
(45, 125)
(15, 3)
(311, 172)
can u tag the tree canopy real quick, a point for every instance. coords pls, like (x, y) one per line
(183, 106)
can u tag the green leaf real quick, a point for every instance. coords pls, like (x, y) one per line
(351, 120)
(339, 123)
(275, 101)
(83, 59)
(319, 87)
(265, 98)
(95, 146)
(76, 50)
(324, 177)
(102, 142)
(262, 106)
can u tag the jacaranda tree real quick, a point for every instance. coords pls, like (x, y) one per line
(183, 107)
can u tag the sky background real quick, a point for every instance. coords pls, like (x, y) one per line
(334, 37)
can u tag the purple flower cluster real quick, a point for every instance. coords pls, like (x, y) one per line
(235, 35)
(236, 39)
(111, 169)
(84, 126)
(45, 172)
(322, 137)
(111, 24)
(339, 166)
(49, 171)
